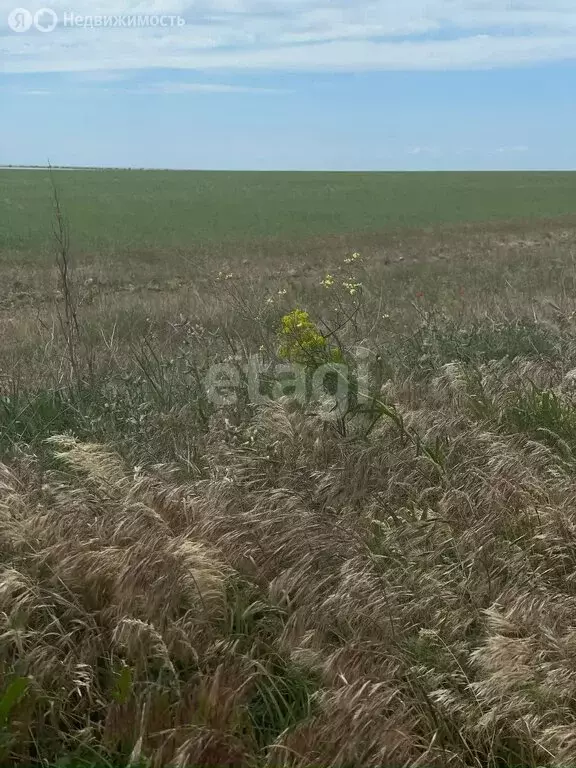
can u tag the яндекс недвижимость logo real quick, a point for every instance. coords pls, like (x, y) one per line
(46, 20)
(21, 20)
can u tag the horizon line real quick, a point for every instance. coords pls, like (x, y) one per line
(20, 167)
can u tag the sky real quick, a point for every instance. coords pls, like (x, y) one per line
(290, 84)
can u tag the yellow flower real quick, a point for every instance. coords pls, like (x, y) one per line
(328, 281)
(302, 342)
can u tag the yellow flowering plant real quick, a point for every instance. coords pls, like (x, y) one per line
(349, 375)
(302, 342)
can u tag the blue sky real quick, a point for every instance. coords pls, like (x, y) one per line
(294, 84)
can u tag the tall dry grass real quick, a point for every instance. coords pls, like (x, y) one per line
(184, 585)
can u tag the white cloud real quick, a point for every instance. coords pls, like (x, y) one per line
(422, 151)
(169, 88)
(302, 35)
(183, 88)
(517, 148)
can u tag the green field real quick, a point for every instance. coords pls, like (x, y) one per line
(145, 209)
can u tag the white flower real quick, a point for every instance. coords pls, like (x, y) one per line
(352, 286)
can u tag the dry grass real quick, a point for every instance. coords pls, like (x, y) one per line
(255, 586)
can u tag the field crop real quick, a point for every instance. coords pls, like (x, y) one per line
(112, 210)
(195, 572)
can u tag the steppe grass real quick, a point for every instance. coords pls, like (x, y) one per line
(252, 584)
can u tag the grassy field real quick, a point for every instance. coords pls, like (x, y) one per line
(148, 209)
(197, 573)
